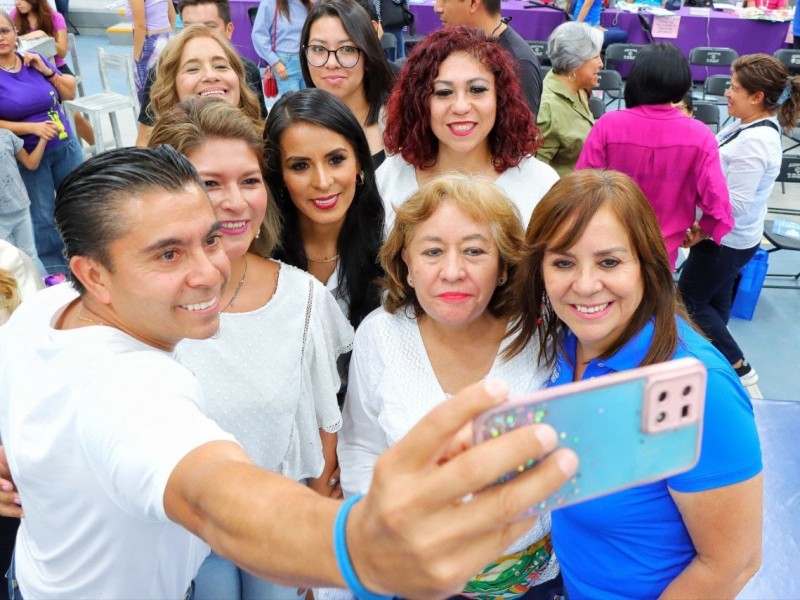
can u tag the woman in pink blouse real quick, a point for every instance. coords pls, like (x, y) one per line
(673, 159)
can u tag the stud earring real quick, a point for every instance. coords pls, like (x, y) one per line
(502, 280)
(258, 233)
(410, 281)
(360, 178)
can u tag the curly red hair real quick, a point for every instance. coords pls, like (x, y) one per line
(408, 130)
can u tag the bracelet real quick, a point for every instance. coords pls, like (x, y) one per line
(52, 74)
(343, 556)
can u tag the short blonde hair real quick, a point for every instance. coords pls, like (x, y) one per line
(164, 93)
(189, 125)
(478, 198)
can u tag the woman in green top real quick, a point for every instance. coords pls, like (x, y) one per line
(564, 116)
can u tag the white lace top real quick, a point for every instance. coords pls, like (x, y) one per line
(392, 385)
(269, 376)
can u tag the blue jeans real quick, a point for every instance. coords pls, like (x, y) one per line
(398, 34)
(294, 81)
(706, 284)
(220, 578)
(17, 229)
(614, 35)
(41, 184)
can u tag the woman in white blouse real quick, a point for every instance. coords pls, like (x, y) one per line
(458, 107)
(763, 97)
(269, 375)
(448, 262)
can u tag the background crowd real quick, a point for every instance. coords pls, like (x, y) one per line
(396, 233)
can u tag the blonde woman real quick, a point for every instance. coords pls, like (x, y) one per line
(198, 64)
(449, 261)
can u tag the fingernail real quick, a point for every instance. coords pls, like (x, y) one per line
(17, 501)
(546, 436)
(7, 487)
(497, 388)
(568, 461)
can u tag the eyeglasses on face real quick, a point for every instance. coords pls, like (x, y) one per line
(346, 56)
(6, 32)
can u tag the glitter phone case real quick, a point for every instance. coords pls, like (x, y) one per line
(628, 428)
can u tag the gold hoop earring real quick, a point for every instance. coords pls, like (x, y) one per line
(572, 76)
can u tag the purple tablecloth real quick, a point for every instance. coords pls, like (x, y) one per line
(746, 36)
(719, 29)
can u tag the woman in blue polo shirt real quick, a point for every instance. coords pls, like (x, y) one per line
(597, 289)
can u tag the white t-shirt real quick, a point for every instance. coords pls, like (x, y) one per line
(94, 422)
(751, 163)
(524, 184)
(392, 386)
(269, 376)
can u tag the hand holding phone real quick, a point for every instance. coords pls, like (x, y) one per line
(628, 428)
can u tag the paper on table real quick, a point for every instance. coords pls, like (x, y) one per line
(666, 27)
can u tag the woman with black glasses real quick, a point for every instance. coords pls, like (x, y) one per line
(342, 55)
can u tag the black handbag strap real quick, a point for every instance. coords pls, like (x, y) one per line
(764, 123)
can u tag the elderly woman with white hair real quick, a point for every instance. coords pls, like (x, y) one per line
(564, 116)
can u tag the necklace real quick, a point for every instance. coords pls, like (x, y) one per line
(238, 286)
(324, 261)
(86, 319)
(13, 66)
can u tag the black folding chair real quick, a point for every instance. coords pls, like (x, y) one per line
(781, 242)
(596, 106)
(708, 56)
(620, 53)
(790, 58)
(540, 50)
(251, 14)
(610, 83)
(707, 112)
(389, 45)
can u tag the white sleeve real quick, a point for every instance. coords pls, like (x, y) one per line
(746, 167)
(135, 439)
(361, 439)
(329, 335)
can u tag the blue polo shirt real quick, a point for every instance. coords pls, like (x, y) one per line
(633, 543)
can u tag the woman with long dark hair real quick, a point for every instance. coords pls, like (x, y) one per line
(320, 173)
(276, 39)
(342, 55)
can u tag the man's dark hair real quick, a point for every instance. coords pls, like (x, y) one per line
(660, 75)
(492, 6)
(223, 8)
(88, 206)
(368, 6)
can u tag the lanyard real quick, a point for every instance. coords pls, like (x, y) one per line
(735, 134)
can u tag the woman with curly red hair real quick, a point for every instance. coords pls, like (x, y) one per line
(458, 106)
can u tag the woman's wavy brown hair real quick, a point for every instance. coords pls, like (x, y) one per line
(189, 125)
(479, 199)
(164, 94)
(558, 222)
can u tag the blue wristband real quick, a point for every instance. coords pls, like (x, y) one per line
(343, 556)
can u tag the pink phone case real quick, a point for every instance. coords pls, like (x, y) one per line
(627, 428)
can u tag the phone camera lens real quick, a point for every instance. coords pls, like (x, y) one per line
(687, 390)
(662, 396)
(660, 417)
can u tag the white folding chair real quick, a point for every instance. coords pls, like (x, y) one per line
(107, 102)
(76, 67)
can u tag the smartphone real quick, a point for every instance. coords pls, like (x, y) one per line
(628, 428)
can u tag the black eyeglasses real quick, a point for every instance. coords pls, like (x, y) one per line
(346, 56)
